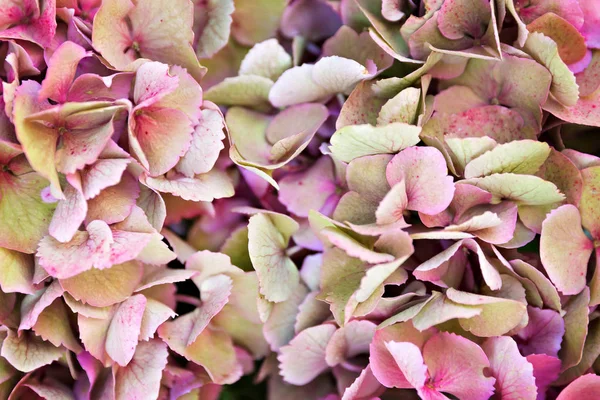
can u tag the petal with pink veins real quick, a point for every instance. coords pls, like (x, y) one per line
(366, 386)
(215, 184)
(141, 377)
(349, 341)
(102, 174)
(124, 329)
(153, 82)
(34, 21)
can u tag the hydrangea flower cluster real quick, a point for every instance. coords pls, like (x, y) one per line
(331, 200)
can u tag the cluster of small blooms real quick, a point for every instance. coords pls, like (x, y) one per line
(338, 199)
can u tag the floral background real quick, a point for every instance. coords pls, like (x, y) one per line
(300, 199)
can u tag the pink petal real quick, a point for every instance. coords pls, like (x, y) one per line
(514, 374)
(545, 371)
(457, 19)
(364, 387)
(410, 361)
(153, 82)
(91, 87)
(159, 137)
(102, 174)
(590, 29)
(187, 97)
(114, 203)
(312, 19)
(33, 305)
(140, 379)
(309, 345)
(61, 71)
(215, 184)
(207, 143)
(214, 294)
(319, 180)
(392, 207)
(428, 187)
(456, 366)
(384, 367)
(543, 334)
(155, 314)
(565, 249)
(70, 212)
(38, 28)
(349, 341)
(84, 251)
(584, 387)
(88, 134)
(122, 335)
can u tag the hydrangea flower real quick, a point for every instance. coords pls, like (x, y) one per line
(333, 200)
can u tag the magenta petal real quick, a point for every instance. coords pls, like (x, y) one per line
(428, 186)
(543, 334)
(38, 26)
(591, 27)
(545, 371)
